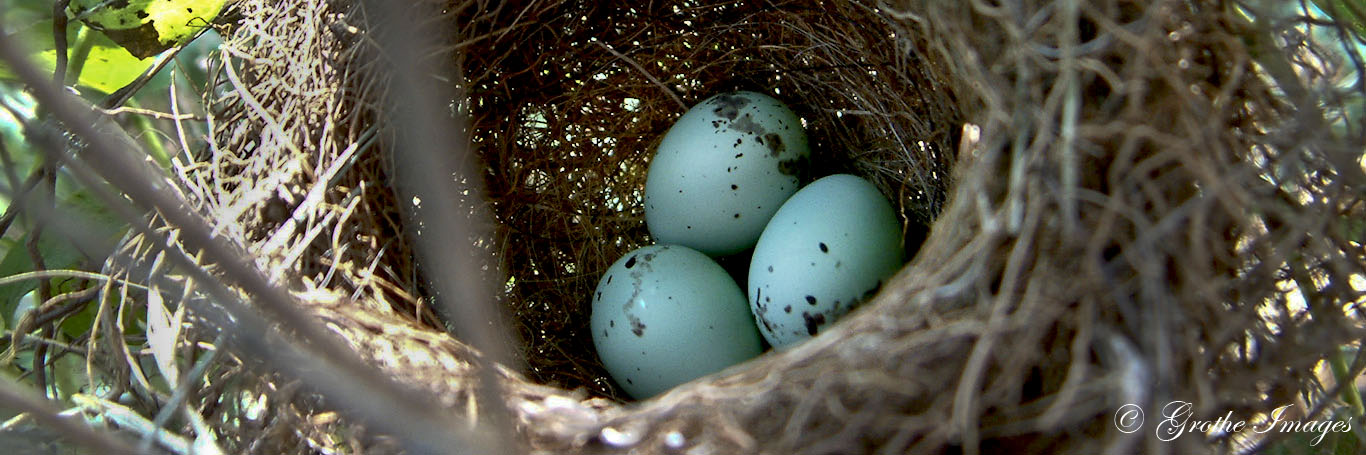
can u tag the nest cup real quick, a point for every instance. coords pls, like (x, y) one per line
(1110, 194)
(567, 116)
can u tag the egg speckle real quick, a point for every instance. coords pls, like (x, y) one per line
(693, 194)
(682, 317)
(827, 249)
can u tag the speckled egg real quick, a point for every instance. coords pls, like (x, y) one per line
(666, 314)
(826, 250)
(721, 172)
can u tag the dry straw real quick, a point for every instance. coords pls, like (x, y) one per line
(1113, 199)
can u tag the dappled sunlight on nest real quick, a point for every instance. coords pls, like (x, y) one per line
(1119, 193)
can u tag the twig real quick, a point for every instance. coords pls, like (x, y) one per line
(81, 274)
(59, 41)
(45, 414)
(12, 212)
(129, 419)
(647, 74)
(1071, 87)
(148, 112)
(182, 392)
(431, 149)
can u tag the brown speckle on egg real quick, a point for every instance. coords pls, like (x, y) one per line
(728, 105)
(637, 326)
(872, 292)
(774, 142)
(792, 166)
(746, 124)
(813, 322)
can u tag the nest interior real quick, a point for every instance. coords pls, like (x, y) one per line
(568, 105)
(1112, 197)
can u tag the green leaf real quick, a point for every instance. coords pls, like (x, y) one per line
(78, 208)
(1347, 444)
(24, 359)
(98, 62)
(106, 66)
(82, 322)
(1354, 229)
(68, 372)
(56, 254)
(147, 27)
(1351, 13)
(1300, 443)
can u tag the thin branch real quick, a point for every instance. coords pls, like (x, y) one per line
(12, 212)
(59, 41)
(81, 274)
(148, 112)
(431, 148)
(47, 415)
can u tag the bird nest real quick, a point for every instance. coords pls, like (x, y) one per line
(1108, 203)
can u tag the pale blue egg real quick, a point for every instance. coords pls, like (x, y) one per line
(666, 314)
(721, 172)
(827, 249)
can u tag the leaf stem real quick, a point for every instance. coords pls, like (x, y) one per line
(79, 54)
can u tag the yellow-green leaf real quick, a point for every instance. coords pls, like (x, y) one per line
(147, 27)
(101, 63)
(106, 67)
